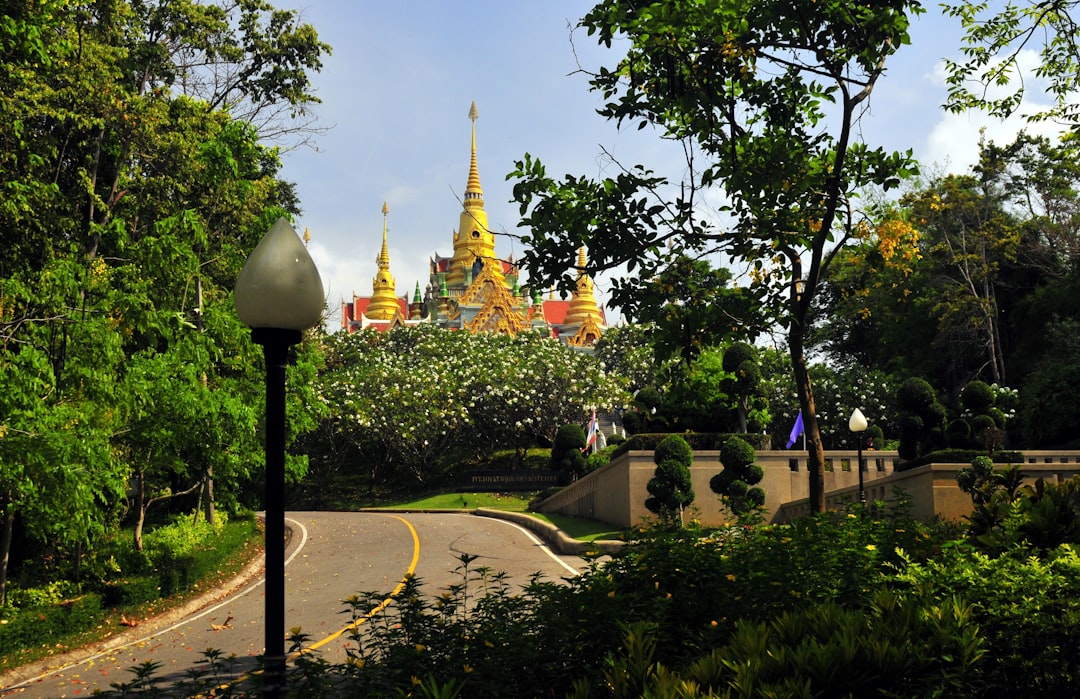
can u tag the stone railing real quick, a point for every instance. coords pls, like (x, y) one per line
(616, 493)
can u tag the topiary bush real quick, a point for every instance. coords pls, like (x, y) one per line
(669, 489)
(922, 418)
(977, 397)
(566, 454)
(736, 483)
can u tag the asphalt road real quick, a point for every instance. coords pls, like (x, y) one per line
(330, 556)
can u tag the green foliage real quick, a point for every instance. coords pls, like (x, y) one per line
(977, 397)
(674, 448)
(566, 454)
(737, 482)
(831, 605)
(992, 73)
(691, 307)
(600, 458)
(698, 398)
(177, 555)
(902, 647)
(1048, 409)
(1008, 516)
(670, 489)
(922, 419)
(570, 437)
(31, 627)
(1025, 633)
(131, 199)
(627, 351)
(767, 134)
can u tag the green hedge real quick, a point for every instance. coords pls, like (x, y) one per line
(38, 626)
(698, 441)
(960, 456)
(132, 591)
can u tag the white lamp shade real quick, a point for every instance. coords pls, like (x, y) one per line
(857, 423)
(279, 286)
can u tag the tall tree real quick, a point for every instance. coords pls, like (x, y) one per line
(127, 190)
(970, 236)
(765, 95)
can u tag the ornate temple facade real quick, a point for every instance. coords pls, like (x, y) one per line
(475, 290)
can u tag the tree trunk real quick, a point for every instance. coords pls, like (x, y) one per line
(209, 512)
(815, 461)
(208, 504)
(140, 510)
(5, 547)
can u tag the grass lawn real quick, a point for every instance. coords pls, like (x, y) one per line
(575, 527)
(510, 502)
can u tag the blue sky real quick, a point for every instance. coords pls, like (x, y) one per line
(395, 99)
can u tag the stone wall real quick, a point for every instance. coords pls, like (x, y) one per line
(615, 494)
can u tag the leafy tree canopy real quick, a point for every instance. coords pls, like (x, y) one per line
(765, 97)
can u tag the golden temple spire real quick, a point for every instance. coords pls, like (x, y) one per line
(473, 240)
(384, 302)
(474, 195)
(307, 236)
(583, 303)
(383, 260)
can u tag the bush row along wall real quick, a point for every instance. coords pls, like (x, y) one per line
(615, 494)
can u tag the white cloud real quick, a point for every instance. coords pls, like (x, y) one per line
(953, 141)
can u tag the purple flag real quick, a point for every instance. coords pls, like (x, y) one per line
(796, 430)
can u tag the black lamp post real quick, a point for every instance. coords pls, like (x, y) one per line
(279, 295)
(858, 425)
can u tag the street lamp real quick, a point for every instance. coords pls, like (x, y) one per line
(279, 295)
(858, 425)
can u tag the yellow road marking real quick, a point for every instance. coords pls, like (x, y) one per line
(396, 591)
(337, 634)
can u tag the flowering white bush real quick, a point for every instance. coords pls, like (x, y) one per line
(421, 391)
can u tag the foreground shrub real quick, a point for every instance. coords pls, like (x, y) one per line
(836, 605)
(900, 647)
(1028, 609)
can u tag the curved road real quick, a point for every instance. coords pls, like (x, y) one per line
(331, 555)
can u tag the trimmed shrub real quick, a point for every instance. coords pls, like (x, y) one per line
(674, 448)
(977, 396)
(669, 488)
(915, 394)
(566, 456)
(735, 483)
(738, 354)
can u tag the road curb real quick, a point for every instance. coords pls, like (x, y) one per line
(552, 535)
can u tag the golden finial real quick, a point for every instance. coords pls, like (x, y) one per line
(383, 260)
(307, 236)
